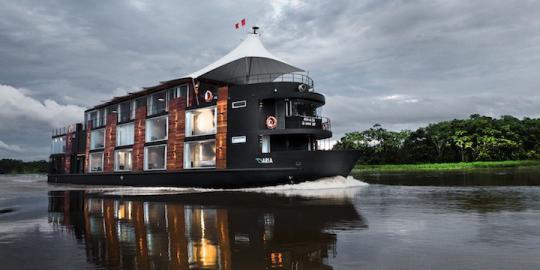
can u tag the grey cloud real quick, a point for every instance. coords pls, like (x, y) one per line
(454, 58)
(9, 148)
(406, 112)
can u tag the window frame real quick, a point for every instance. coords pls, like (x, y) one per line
(145, 163)
(120, 111)
(146, 129)
(239, 104)
(90, 162)
(150, 103)
(116, 169)
(189, 122)
(187, 152)
(238, 139)
(63, 148)
(118, 137)
(91, 139)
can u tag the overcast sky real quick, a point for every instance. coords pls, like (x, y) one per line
(402, 64)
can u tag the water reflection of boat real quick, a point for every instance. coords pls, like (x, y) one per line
(218, 230)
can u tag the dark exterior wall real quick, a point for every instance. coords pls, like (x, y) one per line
(250, 121)
(175, 141)
(138, 146)
(110, 142)
(196, 94)
(221, 135)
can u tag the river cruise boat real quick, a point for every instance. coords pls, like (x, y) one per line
(248, 119)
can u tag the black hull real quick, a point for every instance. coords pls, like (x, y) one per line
(291, 167)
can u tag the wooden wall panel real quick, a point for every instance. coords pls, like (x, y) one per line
(221, 136)
(138, 146)
(110, 143)
(175, 141)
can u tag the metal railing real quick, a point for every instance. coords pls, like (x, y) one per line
(63, 130)
(274, 77)
(325, 123)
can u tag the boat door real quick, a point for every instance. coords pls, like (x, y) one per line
(280, 113)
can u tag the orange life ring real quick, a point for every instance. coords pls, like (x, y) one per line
(208, 96)
(271, 122)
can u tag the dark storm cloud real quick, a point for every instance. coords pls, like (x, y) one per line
(398, 63)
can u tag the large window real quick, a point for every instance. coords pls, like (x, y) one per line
(97, 139)
(155, 157)
(157, 103)
(156, 129)
(58, 145)
(93, 117)
(300, 107)
(102, 118)
(265, 144)
(178, 91)
(125, 112)
(123, 160)
(125, 134)
(200, 154)
(201, 122)
(96, 162)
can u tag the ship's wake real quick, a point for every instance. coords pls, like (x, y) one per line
(337, 186)
(333, 187)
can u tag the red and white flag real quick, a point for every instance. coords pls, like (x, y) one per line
(242, 23)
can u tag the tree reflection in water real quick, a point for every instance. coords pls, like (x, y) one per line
(211, 230)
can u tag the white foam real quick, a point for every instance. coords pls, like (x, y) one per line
(328, 187)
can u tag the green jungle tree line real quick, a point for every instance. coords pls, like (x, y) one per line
(479, 138)
(19, 166)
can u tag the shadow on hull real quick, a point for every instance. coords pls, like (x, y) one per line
(289, 167)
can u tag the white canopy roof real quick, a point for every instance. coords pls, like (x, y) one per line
(248, 62)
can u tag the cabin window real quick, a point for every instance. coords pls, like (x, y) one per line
(157, 103)
(93, 118)
(155, 157)
(239, 104)
(303, 108)
(238, 139)
(201, 154)
(123, 160)
(156, 129)
(102, 118)
(125, 134)
(179, 91)
(265, 144)
(201, 122)
(96, 162)
(58, 145)
(97, 139)
(124, 112)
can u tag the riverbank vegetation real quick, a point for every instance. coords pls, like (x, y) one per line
(479, 138)
(432, 167)
(12, 166)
